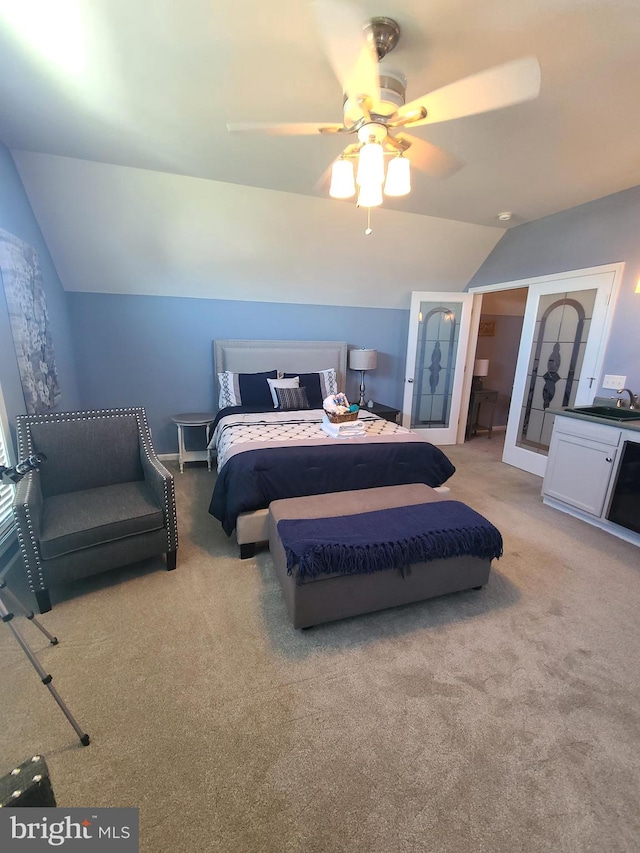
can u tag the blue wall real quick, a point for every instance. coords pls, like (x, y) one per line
(114, 350)
(600, 232)
(17, 217)
(158, 351)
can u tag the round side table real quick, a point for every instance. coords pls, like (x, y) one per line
(193, 419)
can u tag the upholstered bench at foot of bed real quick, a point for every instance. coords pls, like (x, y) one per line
(327, 598)
(253, 527)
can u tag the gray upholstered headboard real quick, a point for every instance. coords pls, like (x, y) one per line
(286, 356)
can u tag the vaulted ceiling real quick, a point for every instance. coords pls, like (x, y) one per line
(152, 85)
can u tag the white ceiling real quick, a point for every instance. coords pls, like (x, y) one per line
(113, 229)
(151, 84)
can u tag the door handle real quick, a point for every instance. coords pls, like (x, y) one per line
(409, 380)
(608, 459)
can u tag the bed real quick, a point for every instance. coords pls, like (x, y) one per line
(264, 454)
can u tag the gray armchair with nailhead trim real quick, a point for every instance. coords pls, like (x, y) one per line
(100, 500)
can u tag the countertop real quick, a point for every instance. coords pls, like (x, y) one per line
(600, 401)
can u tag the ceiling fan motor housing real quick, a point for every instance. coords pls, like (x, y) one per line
(393, 87)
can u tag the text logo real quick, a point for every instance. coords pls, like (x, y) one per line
(34, 829)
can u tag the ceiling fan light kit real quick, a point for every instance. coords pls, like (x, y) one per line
(370, 165)
(374, 105)
(398, 182)
(371, 176)
(343, 182)
(370, 195)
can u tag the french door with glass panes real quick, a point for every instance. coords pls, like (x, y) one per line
(561, 350)
(439, 327)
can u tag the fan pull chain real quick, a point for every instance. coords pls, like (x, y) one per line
(368, 229)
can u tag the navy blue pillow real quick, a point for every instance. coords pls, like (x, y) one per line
(254, 389)
(311, 382)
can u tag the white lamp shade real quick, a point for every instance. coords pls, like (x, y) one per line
(363, 359)
(481, 367)
(398, 181)
(370, 195)
(343, 183)
(370, 165)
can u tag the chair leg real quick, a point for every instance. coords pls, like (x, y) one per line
(172, 557)
(247, 551)
(43, 600)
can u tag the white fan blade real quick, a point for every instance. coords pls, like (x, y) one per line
(299, 129)
(492, 89)
(352, 56)
(429, 158)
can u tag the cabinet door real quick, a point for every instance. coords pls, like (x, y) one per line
(578, 472)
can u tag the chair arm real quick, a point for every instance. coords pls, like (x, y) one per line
(161, 483)
(27, 511)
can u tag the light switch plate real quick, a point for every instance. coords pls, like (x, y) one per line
(611, 381)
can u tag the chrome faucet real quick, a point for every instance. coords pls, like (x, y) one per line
(634, 400)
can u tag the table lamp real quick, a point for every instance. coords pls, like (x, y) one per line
(480, 369)
(363, 359)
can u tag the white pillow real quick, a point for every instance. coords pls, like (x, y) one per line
(328, 382)
(294, 382)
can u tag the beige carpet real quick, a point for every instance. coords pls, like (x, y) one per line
(503, 720)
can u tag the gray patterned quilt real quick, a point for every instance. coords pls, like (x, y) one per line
(271, 455)
(240, 432)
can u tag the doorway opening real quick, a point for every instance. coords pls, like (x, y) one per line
(495, 359)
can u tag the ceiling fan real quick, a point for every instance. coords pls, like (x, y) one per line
(375, 109)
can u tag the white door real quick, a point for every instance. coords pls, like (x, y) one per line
(561, 350)
(439, 328)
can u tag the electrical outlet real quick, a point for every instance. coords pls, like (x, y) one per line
(611, 381)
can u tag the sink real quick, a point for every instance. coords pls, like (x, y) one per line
(610, 413)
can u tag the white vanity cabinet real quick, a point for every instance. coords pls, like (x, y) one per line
(583, 471)
(582, 459)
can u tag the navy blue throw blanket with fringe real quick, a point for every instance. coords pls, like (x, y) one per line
(386, 539)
